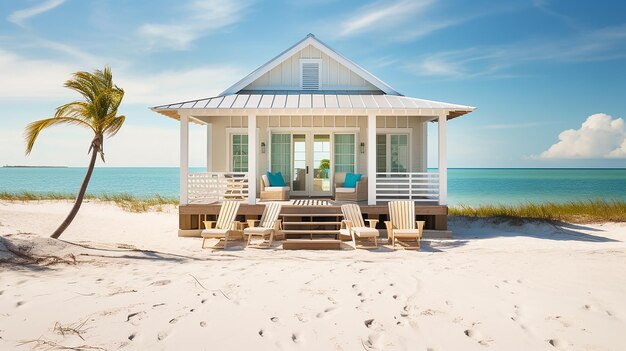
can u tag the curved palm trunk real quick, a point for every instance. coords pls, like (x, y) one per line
(81, 194)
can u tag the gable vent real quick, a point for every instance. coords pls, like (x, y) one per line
(310, 75)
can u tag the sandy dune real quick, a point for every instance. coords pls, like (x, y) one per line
(135, 285)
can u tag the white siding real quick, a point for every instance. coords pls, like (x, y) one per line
(334, 76)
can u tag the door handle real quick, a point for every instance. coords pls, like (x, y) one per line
(307, 169)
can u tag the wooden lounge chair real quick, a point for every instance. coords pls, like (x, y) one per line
(224, 225)
(402, 226)
(269, 225)
(354, 226)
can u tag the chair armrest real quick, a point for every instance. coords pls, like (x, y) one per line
(389, 226)
(209, 224)
(252, 222)
(278, 225)
(339, 185)
(372, 222)
(420, 227)
(235, 225)
(346, 224)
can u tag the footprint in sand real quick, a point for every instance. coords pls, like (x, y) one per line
(295, 337)
(374, 341)
(559, 344)
(274, 319)
(476, 335)
(161, 336)
(203, 324)
(132, 336)
(161, 282)
(301, 317)
(20, 303)
(368, 322)
(261, 332)
(326, 312)
(173, 320)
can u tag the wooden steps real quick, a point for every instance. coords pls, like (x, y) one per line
(317, 244)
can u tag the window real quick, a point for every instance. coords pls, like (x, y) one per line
(344, 152)
(392, 153)
(381, 153)
(399, 153)
(310, 74)
(281, 155)
(239, 152)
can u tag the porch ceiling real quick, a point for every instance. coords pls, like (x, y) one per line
(312, 104)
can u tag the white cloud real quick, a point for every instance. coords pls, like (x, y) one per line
(133, 146)
(18, 17)
(176, 86)
(197, 20)
(381, 15)
(600, 136)
(32, 78)
(43, 79)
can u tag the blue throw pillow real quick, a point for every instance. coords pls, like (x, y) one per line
(351, 179)
(276, 179)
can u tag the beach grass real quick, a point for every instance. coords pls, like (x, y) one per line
(588, 211)
(126, 201)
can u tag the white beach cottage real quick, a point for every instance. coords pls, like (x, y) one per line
(313, 115)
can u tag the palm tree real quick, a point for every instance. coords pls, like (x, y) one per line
(97, 112)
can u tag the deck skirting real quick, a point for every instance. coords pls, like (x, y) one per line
(191, 216)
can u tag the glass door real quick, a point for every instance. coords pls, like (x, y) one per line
(300, 165)
(320, 177)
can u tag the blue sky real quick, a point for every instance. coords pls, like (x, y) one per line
(548, 77)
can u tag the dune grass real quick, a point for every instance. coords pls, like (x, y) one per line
(127, 202)
(574, 211)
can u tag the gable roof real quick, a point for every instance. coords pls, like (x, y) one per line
(310, 39)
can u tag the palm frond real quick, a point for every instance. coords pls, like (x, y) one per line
(114, 126)
(34, 128)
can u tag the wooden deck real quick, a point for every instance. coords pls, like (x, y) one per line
(305, 220)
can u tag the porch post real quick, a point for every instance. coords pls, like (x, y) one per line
(371, 159)
(184, 158)
(442, 163)
(209, 151)
(252, 159)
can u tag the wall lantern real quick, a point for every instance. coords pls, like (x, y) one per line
(262, 147)
(362, 148)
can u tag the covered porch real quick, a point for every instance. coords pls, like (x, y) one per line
(311, 144)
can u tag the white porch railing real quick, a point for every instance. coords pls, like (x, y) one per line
(416, 186)
(216, 186)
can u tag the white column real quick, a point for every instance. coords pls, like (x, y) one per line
(184, 159)
(371, 159)
(252, 164)
(209, 151)
(443, 161)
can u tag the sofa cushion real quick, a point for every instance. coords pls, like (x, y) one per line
(276, 179)
(276, 188)
(351, 179)
(345, 190)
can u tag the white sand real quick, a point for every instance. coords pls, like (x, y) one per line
(495, 286)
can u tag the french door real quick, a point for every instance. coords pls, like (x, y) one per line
(311, 174)
(308, 159)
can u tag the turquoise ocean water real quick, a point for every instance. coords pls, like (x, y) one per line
(465, 186)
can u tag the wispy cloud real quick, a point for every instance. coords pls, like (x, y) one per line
(383, 15)
(197, 19)
(496, 61)
(18, 17)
